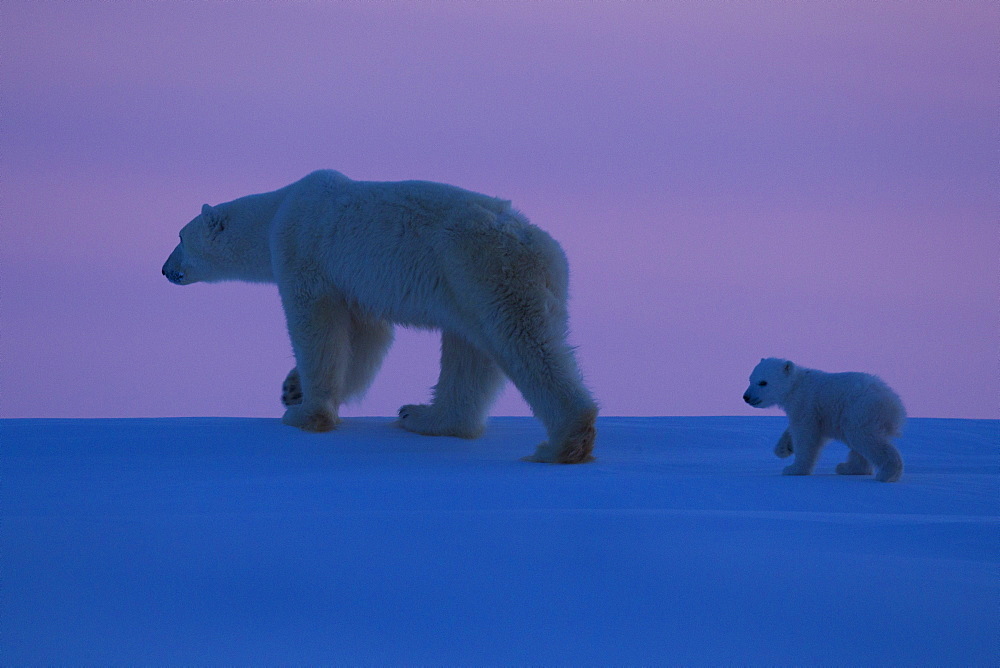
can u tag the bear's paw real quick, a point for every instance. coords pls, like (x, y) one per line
(425, 420)
(889, 474)
(314, 420)
(845, 468)
(784, 447)
(573, 446)
(291, 389)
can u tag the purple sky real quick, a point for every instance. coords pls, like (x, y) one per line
(815, 181)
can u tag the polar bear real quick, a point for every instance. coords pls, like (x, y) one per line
(856, 408)
(353, 258)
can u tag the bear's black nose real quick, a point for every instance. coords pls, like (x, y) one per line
(746, 398)
(174, 276)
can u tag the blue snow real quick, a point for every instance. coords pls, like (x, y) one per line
(242, 541)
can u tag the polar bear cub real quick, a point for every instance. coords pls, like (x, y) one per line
(353, 258)
(855, 408)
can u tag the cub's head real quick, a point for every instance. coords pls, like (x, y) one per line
(769, 382)
(203, 253)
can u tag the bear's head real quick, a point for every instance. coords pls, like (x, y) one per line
(204, 253)
(769, 383)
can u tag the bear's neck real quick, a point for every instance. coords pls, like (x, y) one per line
(255, 214)
(798, 386)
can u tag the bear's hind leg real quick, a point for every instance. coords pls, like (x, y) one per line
(891, 468)
(468, 385)
(881, 453)
(856, 464)
(512, 303)
(545, 372)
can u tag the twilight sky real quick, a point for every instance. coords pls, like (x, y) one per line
(730, 181)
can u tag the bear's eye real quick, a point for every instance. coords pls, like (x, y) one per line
(762, 383)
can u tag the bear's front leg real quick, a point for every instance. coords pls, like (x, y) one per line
(319, 328)
(291, 389)
(784, 447)
(291, 397)
(806, 445)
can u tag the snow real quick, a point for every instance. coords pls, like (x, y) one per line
(238, 541)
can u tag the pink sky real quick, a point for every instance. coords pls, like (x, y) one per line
(730, 181)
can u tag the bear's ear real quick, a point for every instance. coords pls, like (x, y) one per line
(787, 369)
(215, 220)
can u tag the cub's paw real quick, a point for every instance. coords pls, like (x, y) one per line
(889, 474)
(315, 420)
(424, 419)
(784, 447)
(291, 389)
(847, 468)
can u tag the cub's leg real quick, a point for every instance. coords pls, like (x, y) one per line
(319, 329)
(807, 443)
(878, 450)
(784, 446)
(468, 385)
(370, 340)
(856, 464)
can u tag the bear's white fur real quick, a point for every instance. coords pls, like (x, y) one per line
(855, 408)
(352, 258)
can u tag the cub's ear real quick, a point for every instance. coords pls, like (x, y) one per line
(215, 220)
(787, 369)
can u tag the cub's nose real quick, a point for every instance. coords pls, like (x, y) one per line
(746, 398)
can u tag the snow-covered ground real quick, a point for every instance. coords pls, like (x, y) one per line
(241, 541)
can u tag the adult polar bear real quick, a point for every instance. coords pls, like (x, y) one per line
(352, 258)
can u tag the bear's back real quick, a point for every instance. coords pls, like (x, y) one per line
(420, 202)
(402, 248)
(853, 399)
